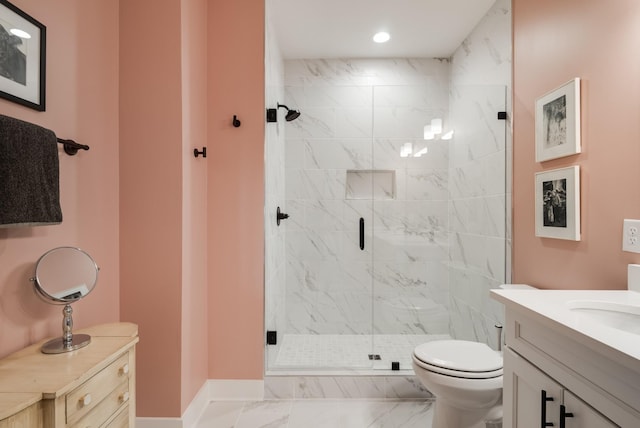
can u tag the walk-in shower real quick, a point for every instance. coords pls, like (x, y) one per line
(394, 179)
(382, 220)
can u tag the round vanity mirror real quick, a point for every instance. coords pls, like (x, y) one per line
(64, 275)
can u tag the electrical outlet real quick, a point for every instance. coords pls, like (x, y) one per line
(631, 236)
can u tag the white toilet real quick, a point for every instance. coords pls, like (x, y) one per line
(466, 380)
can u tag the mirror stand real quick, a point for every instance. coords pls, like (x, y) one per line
(68, 342)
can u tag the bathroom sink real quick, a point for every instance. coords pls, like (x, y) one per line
(620, 316)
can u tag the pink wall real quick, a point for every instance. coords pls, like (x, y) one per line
(163, 117)
(82, 104)
(236, 189)
(596, 41)
(194, 206)
(151, 174)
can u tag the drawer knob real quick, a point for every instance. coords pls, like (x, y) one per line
(124, 370)
(85, 401)
(124, 397)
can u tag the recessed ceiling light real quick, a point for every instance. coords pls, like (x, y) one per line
(20, 33)
(381, 37)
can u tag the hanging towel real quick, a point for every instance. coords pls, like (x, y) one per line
(29, 175)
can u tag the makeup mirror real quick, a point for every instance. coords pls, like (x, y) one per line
(64, 275)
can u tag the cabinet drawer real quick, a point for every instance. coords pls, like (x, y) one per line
(119, 397)
(121, 420)
(90, 394)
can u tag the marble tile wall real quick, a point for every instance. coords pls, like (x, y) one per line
(479, 218)
(356, 117)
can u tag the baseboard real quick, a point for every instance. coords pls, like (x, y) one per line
(159, 423)
(197, 406)
(212, 390)
(236, 390)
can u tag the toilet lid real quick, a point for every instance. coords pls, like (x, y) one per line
(459, 355)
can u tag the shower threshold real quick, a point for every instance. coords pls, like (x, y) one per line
(364, 354)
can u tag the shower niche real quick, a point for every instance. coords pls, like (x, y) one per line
(371, 184)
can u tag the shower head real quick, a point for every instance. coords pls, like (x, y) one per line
(272, 114)
(291, 114)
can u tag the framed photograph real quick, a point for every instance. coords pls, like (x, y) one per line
(558, 122)
(558, 203)
(22, 57)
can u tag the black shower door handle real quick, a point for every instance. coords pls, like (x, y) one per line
(361, 233)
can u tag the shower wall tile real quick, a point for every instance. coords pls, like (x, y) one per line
(314, 123)
(485, 55)
(348, 105)
(367, 72)
(339, 153)
(398, 246)
(427, 184)
(337, 96)
(403, 122)
(480, 79)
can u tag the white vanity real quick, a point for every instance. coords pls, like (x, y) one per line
(572, 358)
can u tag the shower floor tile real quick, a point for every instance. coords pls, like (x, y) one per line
(349, 351)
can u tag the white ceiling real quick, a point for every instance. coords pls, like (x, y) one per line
(344, 28)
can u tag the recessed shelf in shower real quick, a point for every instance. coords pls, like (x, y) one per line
(371, 184)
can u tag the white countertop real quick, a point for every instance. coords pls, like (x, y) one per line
(550, 307)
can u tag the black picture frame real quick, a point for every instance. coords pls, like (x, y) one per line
(22, 58)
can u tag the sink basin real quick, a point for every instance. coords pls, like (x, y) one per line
(620, 316)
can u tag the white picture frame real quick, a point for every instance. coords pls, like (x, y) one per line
(557, 122)
(557, 203)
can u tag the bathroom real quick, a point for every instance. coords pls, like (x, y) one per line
(186, 234)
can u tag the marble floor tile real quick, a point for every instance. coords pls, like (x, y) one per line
(349, 413)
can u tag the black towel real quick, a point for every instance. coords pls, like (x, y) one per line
(29, 175)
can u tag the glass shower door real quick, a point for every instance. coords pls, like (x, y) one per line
(322, 308)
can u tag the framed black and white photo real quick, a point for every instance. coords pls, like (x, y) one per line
(558, 203)
(22, 57)
(558, 122)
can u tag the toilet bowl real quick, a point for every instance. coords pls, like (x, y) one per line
(465, 378)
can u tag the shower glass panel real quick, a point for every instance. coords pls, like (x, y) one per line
(439, 242)
(326, 299)
(410, 228)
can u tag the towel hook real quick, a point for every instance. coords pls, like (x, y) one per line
(236, 122)
(203, 152)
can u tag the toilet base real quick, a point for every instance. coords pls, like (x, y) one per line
(446, 415)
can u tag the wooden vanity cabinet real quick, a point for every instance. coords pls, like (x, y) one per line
(91, 387)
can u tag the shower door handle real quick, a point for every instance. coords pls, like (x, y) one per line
(361, 233)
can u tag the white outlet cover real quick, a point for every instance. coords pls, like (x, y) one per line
(630, 236)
